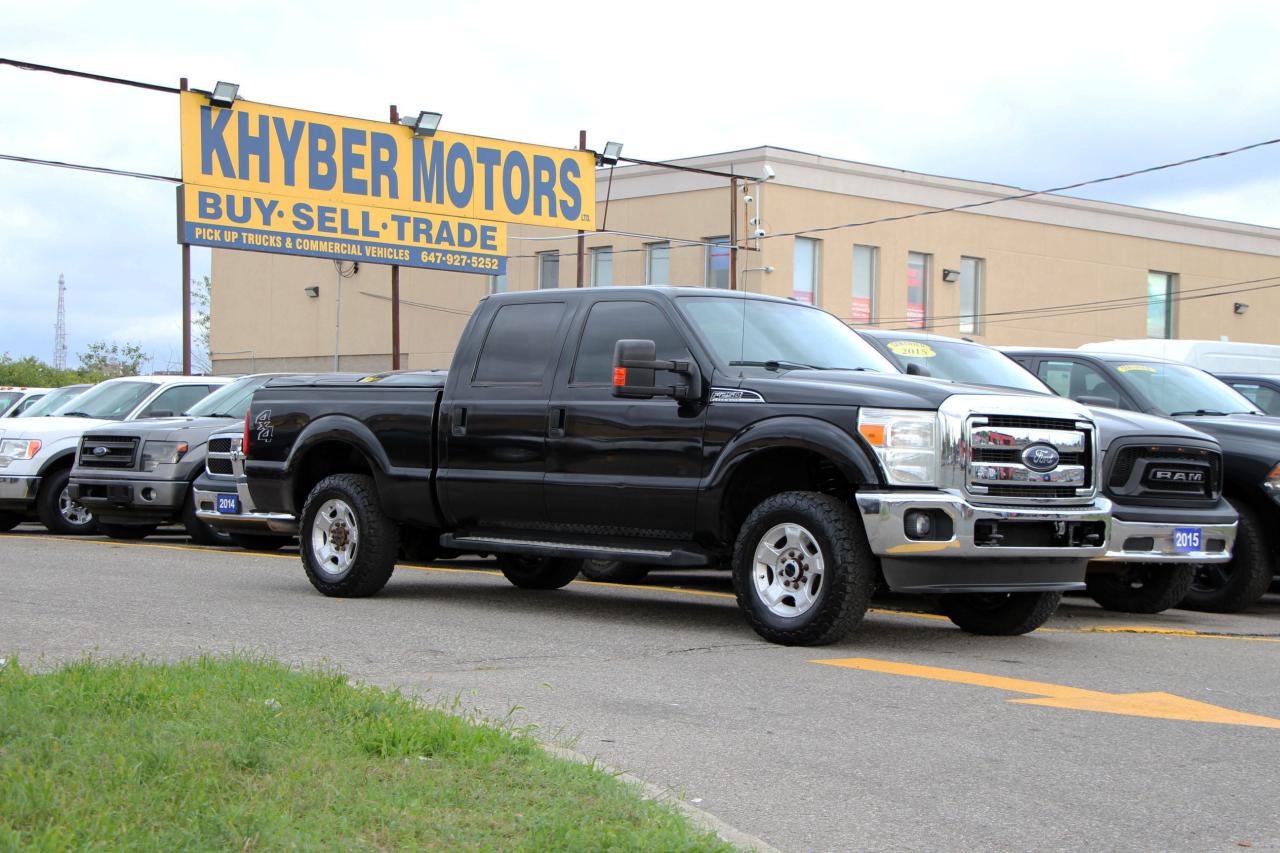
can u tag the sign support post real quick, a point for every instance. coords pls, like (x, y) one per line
(395, 288)
(186, 290)
(582, 241)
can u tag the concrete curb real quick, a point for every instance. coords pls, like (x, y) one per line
(702, 819)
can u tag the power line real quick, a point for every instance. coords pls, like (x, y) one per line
(80, 167)
(101, 78)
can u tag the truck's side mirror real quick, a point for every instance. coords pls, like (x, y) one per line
(634, 372)
(1104, 402)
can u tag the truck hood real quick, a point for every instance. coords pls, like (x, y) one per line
(49, 428)
(1116, 423)
(194, 431)
(863, 388)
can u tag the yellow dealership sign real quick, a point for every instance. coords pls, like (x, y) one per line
(269, 178)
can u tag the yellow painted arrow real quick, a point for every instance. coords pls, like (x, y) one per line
(1164, 706)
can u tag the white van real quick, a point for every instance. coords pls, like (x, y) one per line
(1211, 356)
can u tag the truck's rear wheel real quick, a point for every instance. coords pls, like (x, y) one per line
(802, 569)
(1141, 587)
(538, 572)
(1003, 614)
(348, 543)
(614, 571)
(1232, 586)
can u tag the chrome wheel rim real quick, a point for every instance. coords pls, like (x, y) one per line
(788, 570)
(335, 536)
(72, 512)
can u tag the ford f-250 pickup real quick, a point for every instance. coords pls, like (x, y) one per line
(690, 427)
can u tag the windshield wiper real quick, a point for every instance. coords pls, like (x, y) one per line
(76, 415)
(777, 364)
(1200, 413)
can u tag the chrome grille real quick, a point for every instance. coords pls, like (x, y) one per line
(218, 461)
(108, 451)
(996, 466)
(220, 444)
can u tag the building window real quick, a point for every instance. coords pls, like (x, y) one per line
(971, 295)
(718, 262)
(498, 283)
(602, 266)
(804, 272)
(1160, 304)
(548, 270)
(865, 261)
(657, 263)
(918, 265)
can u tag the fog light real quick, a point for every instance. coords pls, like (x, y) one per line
(918, 524)
(148, 494)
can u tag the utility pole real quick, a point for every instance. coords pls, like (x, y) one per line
(186, 290)
(337, 313)
(60, 327)
(395, 288)
(733, 233)
(582, 241)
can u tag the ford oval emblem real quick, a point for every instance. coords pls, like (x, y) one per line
(99, 451)
(1041, 457)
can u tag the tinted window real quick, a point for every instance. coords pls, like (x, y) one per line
(520, 342)
(230, 400)
(610, 322)
(1075, 380)
(176, 400)
(1181, 389)
(1264, 397)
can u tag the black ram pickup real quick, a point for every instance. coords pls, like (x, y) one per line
(687, 427)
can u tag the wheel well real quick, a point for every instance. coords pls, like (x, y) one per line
(770, 472)
(66, 460)
(325, 458)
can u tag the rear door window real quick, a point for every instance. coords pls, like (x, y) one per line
(520, 343)
(1262, 396)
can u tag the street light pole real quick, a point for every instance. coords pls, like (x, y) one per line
(337, 313)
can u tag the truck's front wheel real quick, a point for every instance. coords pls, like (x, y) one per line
(1003, 614)
(1141, 587)
(1233, 586)
(802, 569)
(348, 543)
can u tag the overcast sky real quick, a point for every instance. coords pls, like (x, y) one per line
(1028, 94)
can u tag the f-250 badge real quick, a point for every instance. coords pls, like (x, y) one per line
(265, 429)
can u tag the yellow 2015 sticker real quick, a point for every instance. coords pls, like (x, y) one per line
(1140, 368)
(911, 349)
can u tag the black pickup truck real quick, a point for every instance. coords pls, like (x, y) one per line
(1250, 448)
(689, 427)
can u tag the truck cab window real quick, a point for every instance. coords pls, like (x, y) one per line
(610, 322)
(520, 342)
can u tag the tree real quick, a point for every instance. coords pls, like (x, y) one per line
(32, 372)
(201, 359)
(111, 360)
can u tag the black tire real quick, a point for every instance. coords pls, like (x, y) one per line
(259, 541)
(199, 531)
(1235, 585)
(614, 571)
(372, 559)
(1141, 587)
(539, 572)
(56, 510)
(831, 531)
(1004, 614)
(9, 520)
(126, 531)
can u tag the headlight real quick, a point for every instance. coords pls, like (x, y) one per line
(906, 440)
(19, 448)
(156, 453)
(1271, 485)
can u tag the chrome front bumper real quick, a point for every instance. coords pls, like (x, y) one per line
(1144, 542)
(207, 511)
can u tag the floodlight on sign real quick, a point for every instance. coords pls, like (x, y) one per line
(224, 94)
(425, 124)
(611, 154)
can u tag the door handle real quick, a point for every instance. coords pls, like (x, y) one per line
(459, 420)
(555, 423)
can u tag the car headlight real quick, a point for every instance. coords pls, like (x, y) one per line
(906, 440)
(155, 453)
(19, 448)
(1271, 485)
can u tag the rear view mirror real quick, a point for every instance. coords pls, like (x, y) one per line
(1105, 402)
(635, 368)
(914, 369)
(162, 413)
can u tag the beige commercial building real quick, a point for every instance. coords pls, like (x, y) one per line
(1045, 270)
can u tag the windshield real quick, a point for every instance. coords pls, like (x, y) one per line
(110, 401)
(1177, 389)
(779, 335)
(8, 398)
(961, 362)
(229, 401)
(53, 400)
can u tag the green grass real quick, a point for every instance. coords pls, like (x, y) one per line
(237, 754)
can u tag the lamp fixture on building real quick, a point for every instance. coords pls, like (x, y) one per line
(425, 124)
(312, 291)
(1240, 307)
(767, 173)
(951, 275)
(224, 94)
(609, 157)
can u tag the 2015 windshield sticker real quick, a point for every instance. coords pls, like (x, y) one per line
(911, 349)
(1140, 368)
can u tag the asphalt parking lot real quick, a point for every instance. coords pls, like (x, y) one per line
(1099, 731)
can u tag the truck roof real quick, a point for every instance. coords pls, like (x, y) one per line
(410, 378)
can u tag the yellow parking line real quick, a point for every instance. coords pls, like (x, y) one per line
(882, 611)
